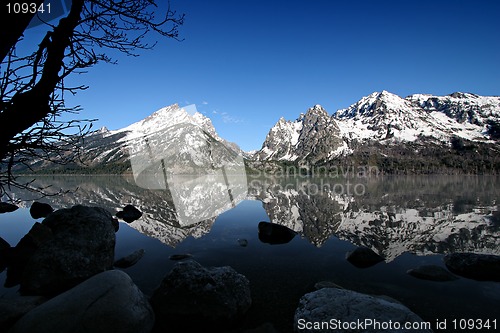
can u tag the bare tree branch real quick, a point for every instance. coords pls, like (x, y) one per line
(32, 87)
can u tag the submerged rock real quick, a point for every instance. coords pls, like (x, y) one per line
(194, 295)
(432, 273)
(273, 233)
(363, 257)
(483, 267)
(346, 306)
(39, 209)
(6, 207)
(107, 302)
(82, 246)
(243, 242)
(326, 284)
(129, 260)
(180, 256)
(129, 214)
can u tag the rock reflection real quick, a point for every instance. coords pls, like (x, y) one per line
(273, 234)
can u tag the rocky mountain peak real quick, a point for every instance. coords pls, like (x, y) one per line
(313, 137)
(463, 95)
(376, 103)
(316, 112)
(383, 118)
(281, 121)
(172, 115)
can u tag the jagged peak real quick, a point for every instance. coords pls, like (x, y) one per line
(316, 110)
(102, 131)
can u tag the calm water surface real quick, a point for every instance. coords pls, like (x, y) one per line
(410, 221)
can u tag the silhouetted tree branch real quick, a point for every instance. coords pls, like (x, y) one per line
(32, 86)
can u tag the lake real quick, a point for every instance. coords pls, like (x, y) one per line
(409, 220)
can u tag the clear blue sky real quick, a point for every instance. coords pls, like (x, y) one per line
(246, 63)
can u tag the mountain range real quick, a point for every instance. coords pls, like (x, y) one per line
(457, 133)
(418, 133)
(180, 137)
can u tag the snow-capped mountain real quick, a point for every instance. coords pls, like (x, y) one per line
(314, 135)
(190, 137)
(387, 119)
(168, 117)
(385, 116)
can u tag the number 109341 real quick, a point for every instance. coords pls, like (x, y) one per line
(28, 8)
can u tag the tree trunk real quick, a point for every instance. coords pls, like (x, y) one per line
(27, 108)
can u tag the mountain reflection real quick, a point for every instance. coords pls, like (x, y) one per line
(391, 215)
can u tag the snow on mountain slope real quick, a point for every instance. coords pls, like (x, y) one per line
(463, 107)
(105, 146)
(286, 134)
(385, 118)
(313, 135)
(167, 116)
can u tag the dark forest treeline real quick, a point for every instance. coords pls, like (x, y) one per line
(74, 169)
(461, 157)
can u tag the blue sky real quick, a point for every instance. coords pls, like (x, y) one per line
(246, 63)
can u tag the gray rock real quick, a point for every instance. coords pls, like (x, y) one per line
(201, 296)
(6, 207)
(13, 309)
(18, 257)
(346, 306)
(39, 209)
(116, 224)
(83, 245)
(129, 260)
(363, 257)
(483, 267)
(432, 273)
(107, 302)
